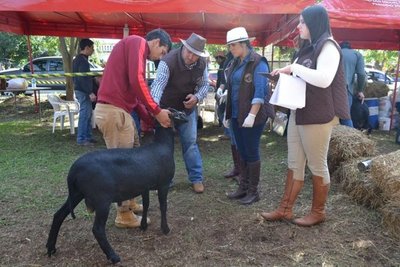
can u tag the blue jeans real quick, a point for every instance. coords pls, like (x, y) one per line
(190, 150)
(348, 122)
(85, 117)
(247, 140)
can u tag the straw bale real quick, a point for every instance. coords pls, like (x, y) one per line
(359, 185)
(348, 143)
(386, 173)
(391, 217)
(376, 89)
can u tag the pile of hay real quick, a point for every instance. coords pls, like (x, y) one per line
(378, 188)
(376, 89)
(347, 144)
(386, 173)
(391, 217)
(359, 185)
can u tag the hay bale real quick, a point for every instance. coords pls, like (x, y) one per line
(348, 143)
(391, 217)
(376, 89)
(359, 185)
(386, 174)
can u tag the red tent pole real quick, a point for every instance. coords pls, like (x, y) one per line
(394, 92)
(32, 70)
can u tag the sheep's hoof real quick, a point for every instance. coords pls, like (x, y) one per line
(51, 251)
(114, 258)
(143, 226)
(165, 230)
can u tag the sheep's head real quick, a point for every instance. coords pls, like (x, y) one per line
(177, 117)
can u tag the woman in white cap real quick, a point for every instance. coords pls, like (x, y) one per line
(247, 110)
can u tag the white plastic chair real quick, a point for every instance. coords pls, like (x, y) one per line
(63, 108)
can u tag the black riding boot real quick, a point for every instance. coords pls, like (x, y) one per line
(253, 170)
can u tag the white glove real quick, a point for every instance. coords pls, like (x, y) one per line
(225, 122)
(220, 91)
(223, 97)
(249, 121)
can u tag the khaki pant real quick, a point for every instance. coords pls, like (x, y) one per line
(117, 126)
(118, 129)
(309, 144)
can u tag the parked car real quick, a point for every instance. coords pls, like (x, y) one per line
(380, 76)
(46, 65)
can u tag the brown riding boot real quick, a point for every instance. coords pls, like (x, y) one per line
(320, 195)
(125, 217)
(243, 182)
(284, 211)
(236, 162)
(253, 172)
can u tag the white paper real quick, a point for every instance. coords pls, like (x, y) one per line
(290, 92)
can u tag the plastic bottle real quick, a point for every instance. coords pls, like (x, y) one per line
(33, 83)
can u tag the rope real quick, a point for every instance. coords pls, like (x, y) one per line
(67, 74)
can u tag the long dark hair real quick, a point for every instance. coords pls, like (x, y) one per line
(317, 21)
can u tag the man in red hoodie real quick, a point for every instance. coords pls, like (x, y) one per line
(122, 85)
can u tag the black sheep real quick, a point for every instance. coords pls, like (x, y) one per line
(114, 175)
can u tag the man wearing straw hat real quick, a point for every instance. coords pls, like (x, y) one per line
(181, 83)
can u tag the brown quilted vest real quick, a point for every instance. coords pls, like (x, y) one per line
(323, 104)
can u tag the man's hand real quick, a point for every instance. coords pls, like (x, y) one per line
(220, 91)
(190, 101)
(249, 121)
(163, 118)
(361, 96)
(92, 97)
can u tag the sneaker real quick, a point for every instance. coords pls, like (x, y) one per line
(198, 188)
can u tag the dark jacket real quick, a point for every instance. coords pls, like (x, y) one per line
(182, 81)
(246, 92)
(323, 104)
(82, 83)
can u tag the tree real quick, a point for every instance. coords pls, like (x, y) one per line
(68, 47)
(13, 50)
(382, 59)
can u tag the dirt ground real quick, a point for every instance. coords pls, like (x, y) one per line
(210, 230)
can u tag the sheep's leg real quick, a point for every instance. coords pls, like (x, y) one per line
(99, 232)
(58, 219)
(146, 201)
(162, 199)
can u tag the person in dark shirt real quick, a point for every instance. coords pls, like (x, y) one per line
(84, 93)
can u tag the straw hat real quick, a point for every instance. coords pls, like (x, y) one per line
(238, 34)
(195, 43)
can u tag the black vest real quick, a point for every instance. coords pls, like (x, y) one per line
(182, 81)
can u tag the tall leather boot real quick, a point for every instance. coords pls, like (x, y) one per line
(243, 182)
(284, 211)
(253, 171)
(125, 217)
(236, 162)
(320, 195)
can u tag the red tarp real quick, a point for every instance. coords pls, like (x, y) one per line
(367, 24)
(106, 19)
